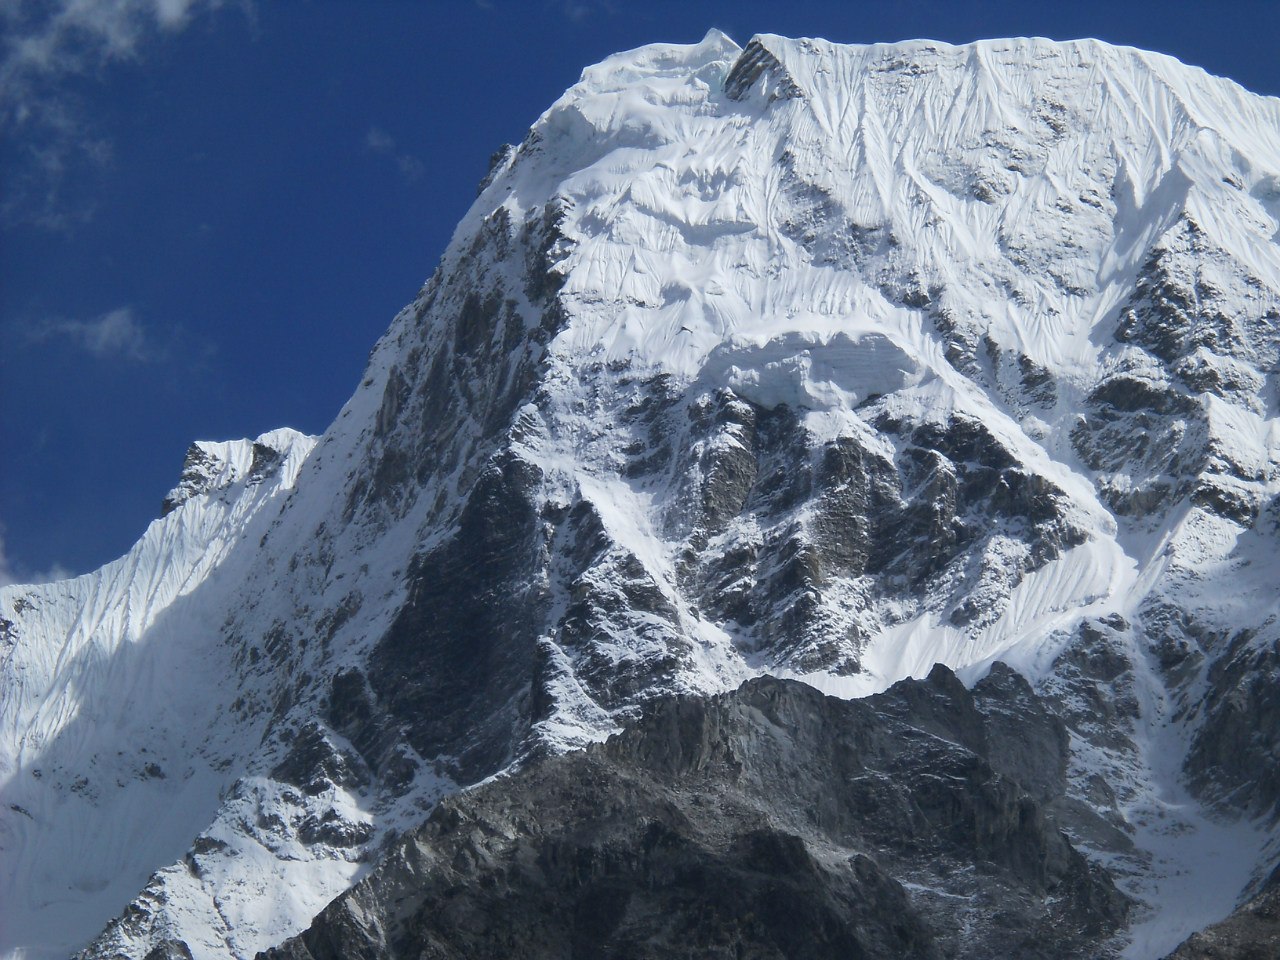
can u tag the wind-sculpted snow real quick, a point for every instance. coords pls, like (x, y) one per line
(829, 362)
(112, 683)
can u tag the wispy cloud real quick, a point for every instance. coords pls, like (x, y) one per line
(6, 568)
(45, 45)
(580, 10)
(574, 10)
(10, 573)
(379, 141)
(117, 333)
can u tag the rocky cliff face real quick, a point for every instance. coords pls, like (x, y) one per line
(768, 822)
(799, 360)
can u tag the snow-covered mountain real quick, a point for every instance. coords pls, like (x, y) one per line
(827, 362)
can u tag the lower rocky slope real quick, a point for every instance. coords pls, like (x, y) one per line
(767, 822)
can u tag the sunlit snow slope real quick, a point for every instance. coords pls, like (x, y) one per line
(828, 361)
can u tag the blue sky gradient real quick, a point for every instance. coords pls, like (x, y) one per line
(210, 211)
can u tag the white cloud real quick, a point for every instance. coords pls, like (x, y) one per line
(6, 569)
(116, 333)
(381, 142)
(53, 40)
(43, 45)
(575, 10)
(9, 574)
(580, 10)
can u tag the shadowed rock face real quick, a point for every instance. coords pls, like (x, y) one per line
(758, 67)
(1235, 757)
(169, 950)
(769, 822)
(480, 586)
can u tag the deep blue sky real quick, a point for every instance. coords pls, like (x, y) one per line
(208, 222)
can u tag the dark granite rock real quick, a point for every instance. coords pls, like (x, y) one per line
(169, 950)
(439, 690)
(266, 461)
(314, 763)
(197, 467)
(769, 822)
(757, 65)
(1234, 760)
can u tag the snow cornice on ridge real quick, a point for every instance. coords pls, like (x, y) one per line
(210, 466)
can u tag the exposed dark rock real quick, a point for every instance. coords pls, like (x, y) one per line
(197, 466)
(1233, 501)
(265, 462)
(497, 160)
(349, 703)
(544, 243)
(1187, 337)
(443, 691)
(1175, 311)
(169, 950)
(334, 830)
(455, 398)
(960, 341)
(314, 763)
(202, 846)
(1037, 381)
(1125, 393)
(1234, 758)
(770, 822)
(730, 463)
(1095, 683)
(755, 63)
(854, 487)
(773, 522)
(1146, 439)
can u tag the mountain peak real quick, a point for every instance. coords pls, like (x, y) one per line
(908, 172)
(758, 64)
(833, 363)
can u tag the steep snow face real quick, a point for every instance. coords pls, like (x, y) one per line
(824, 361)
(896, 238)
(1017, 184)
(113, 723)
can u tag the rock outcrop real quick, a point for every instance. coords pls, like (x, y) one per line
(768, 822)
